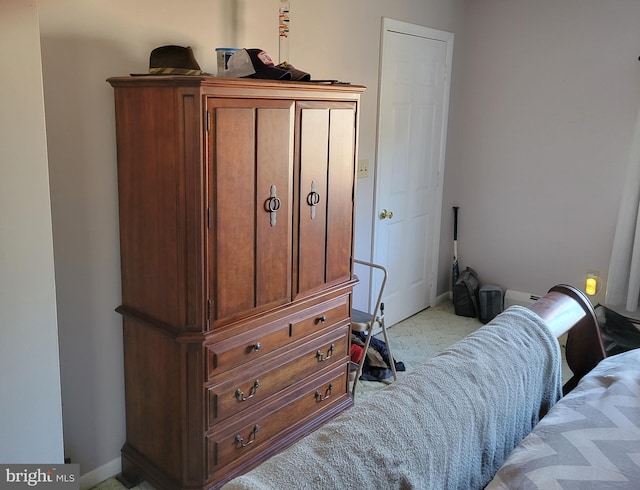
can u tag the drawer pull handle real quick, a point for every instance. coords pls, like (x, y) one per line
(255, 347)
(321, 357)
(327, 394)
(251, 440)
(321, 319)
(240, 394)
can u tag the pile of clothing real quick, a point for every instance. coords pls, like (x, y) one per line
(377, 365)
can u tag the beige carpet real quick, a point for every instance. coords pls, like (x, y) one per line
(412, 341)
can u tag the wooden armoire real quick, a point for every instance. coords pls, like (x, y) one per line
(236, 201)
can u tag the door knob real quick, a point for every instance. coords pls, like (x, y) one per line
(386, 214)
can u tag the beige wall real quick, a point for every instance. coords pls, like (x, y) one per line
(31, 420)
(549, 97)
(83, 43)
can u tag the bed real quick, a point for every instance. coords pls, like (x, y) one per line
(482, 413)
(589, 440)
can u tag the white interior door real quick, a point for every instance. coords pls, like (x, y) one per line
(412, 121)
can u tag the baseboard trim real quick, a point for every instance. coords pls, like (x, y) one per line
(100, 474)
(446, 296)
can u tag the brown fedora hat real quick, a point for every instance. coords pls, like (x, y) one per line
(174, 60)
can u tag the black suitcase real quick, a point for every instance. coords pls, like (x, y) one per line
(491, 300)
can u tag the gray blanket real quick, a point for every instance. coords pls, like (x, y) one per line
(447, 424)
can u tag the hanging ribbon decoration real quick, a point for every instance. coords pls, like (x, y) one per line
(283, 31)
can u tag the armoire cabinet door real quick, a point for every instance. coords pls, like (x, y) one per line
(325, 197)
(250, 187)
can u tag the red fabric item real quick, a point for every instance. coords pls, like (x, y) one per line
(356, 353)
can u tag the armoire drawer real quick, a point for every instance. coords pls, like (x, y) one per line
(251, 345)
(253, 435)
(259, 383)
(320, 316)
(234, 351)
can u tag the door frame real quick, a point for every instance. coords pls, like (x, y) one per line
(396, 26)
